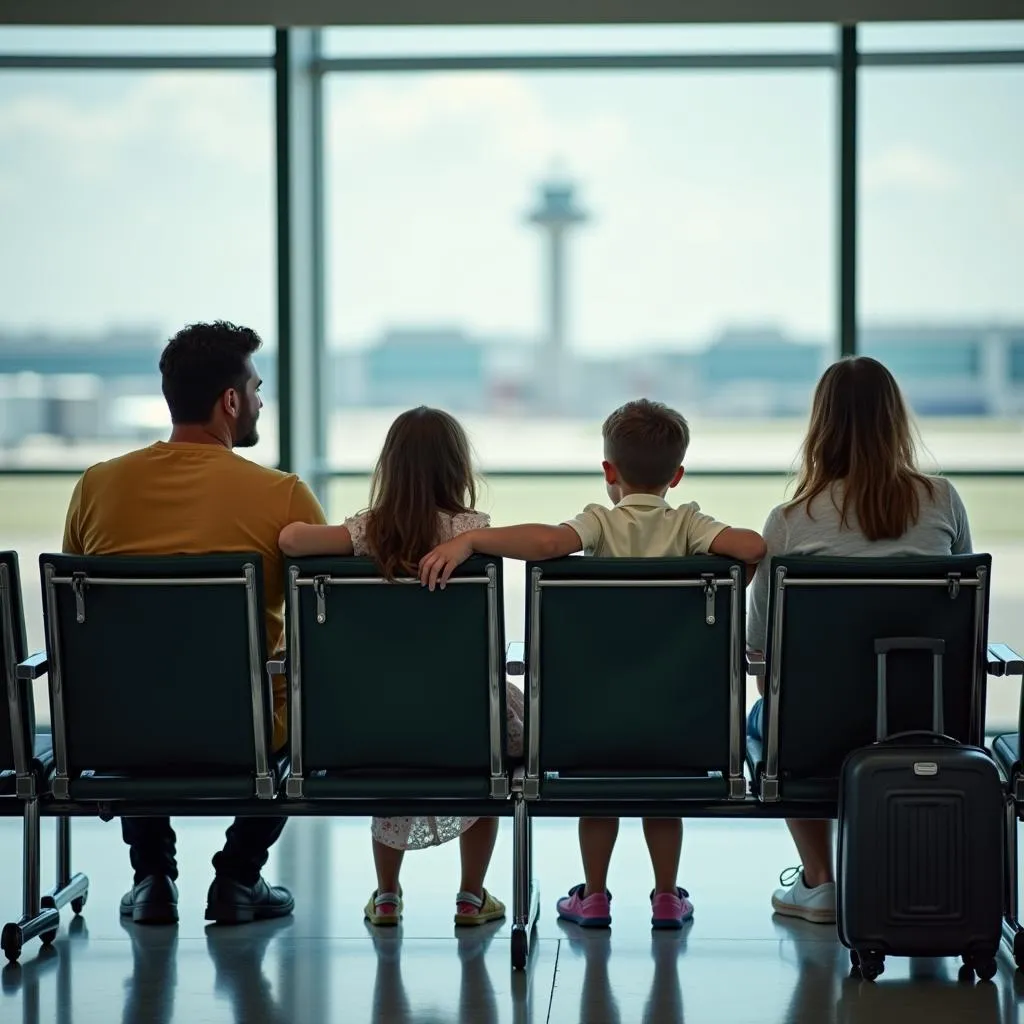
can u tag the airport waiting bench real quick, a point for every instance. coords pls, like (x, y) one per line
(635, 700)
(26, 759)
(635, 682)
(161, 694)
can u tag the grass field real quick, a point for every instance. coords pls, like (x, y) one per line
(32, 513)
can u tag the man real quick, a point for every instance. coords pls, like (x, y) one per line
(194, 495)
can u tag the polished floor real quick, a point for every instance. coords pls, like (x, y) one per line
(734, 963)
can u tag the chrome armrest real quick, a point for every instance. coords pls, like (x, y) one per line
(1003, 660)
(515, 658)
(277, 666)
(755, 663)
(33, 666)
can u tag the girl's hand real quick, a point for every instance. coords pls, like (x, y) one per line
(437, 567)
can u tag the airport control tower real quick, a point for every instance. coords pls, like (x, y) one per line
(556, 213)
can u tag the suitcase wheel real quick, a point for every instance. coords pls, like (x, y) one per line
(966, 975)
(983, 965)
(871, 964)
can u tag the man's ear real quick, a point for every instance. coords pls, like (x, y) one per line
(679, 476)
(231, 401)
(611, 474)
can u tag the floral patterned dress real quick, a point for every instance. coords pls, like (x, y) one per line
(416, 833)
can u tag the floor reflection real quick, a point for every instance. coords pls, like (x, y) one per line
(734, 965)
(931, 992)
(251, 976)
(476, 1001)
(598, 1003)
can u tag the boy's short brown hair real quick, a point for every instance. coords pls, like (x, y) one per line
(646, 442)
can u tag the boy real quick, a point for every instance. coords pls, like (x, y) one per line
(644, 446)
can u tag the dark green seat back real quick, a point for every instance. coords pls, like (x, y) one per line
(13, 648)
(632, 678)
(396, 677)
(829, 666)
(156, 679)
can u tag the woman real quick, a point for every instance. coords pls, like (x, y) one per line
(858, 493)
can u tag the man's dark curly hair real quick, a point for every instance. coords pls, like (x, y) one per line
(200, 363)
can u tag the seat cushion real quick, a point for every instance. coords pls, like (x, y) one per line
(1006, 751)
(99, 786)
(372, 786)
(90, 786)
(626, 786)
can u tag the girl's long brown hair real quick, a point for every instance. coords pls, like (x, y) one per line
(860, 433)
(425, 467)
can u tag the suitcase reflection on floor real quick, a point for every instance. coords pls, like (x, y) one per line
(931, 993)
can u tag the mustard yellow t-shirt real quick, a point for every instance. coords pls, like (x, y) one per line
(193, 499)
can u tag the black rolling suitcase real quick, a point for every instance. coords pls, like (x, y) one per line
(920, 860)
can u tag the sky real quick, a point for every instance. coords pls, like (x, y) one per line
(147, 198)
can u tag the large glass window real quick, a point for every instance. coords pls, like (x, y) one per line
(107, 40)
(131, 204)
(941, 212)
(516, 40)
(944, 36)
(530, 249)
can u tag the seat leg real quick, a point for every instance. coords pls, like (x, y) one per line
(525, 894)
(73, 889)
(1013, 935)
(35, 919)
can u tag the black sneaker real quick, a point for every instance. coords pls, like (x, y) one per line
(154, 900)
(231, 902)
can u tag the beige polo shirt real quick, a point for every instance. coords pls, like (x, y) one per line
(645, 526)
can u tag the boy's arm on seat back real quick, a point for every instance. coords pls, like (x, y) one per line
(530, 542)
(747, 545)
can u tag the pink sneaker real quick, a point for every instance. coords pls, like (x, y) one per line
(670, 910)
(591, 912)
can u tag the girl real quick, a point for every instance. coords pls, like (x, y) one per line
(422, 493)
(859, 492)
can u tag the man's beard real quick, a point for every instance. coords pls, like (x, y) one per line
(248, 434)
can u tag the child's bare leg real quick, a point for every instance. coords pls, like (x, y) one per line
(388, 862)
(476, 845)
(597, 840)
(664, 843)
(813, 840)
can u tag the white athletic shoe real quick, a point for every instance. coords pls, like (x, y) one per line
(796, 899)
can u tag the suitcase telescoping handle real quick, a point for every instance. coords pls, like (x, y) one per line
(883, 648)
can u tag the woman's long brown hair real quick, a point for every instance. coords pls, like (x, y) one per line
(425, 467)
(860, 433)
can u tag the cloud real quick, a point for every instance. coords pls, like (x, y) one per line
(490, 112)
(90, 132)
(910, 168)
